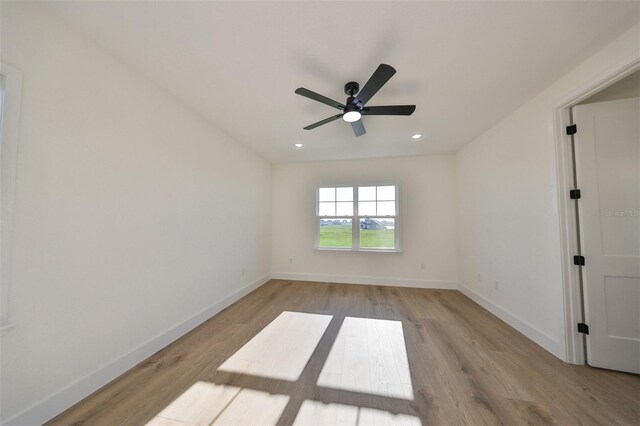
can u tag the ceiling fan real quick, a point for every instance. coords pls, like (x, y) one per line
(355, 108)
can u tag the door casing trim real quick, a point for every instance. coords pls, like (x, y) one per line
(575, 345)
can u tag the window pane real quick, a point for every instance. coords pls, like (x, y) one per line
(367, 208)
(335, 233)
(386, 193)
(386, 208)
(344, 208)
(327, 194)
(377, 233)
(367, 193)
(345, 194)
(327, 209)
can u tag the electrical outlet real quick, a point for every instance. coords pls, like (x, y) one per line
(291, 260)
(496, 286)
(422, 266)
(242, 272)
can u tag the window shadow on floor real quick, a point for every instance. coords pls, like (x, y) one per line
(307, 369)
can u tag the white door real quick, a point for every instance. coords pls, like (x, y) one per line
(608, 168)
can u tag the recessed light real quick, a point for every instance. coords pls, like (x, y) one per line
(417, 136)
(298, 145)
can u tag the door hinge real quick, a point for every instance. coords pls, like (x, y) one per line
(583, 328)
(575, 194)
(572, 130)
(578, 260)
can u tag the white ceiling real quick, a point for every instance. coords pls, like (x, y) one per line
(464, 64)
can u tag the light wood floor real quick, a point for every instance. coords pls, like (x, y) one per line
(466, 367)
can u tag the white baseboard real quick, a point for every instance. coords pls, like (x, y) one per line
(353, 279)
(55, 404)
(542, 339)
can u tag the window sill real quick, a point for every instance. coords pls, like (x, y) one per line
(356, 251)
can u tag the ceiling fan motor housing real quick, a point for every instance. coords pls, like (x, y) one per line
(351, 105)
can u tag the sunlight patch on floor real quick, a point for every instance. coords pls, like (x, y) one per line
(314, 413)
(369, 356)
(282, 349)
(207, 403)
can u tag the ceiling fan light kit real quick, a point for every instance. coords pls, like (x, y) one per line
(351, 116)
(354, 108)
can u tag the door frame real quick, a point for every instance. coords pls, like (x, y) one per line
(9, 141)
(571, 282)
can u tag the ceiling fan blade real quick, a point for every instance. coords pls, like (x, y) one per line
(321, 122)
(377, 80)
(389, 110)
(358, 128)
(316, 97)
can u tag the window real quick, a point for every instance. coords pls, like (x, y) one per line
(358, 218)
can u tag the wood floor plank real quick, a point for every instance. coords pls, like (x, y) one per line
(465, 366)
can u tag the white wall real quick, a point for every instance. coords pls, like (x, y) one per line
(508, 220)
(427, 212)
(134, 218)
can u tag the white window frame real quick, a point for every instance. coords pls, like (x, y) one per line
(9, 136)
(355, 220)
